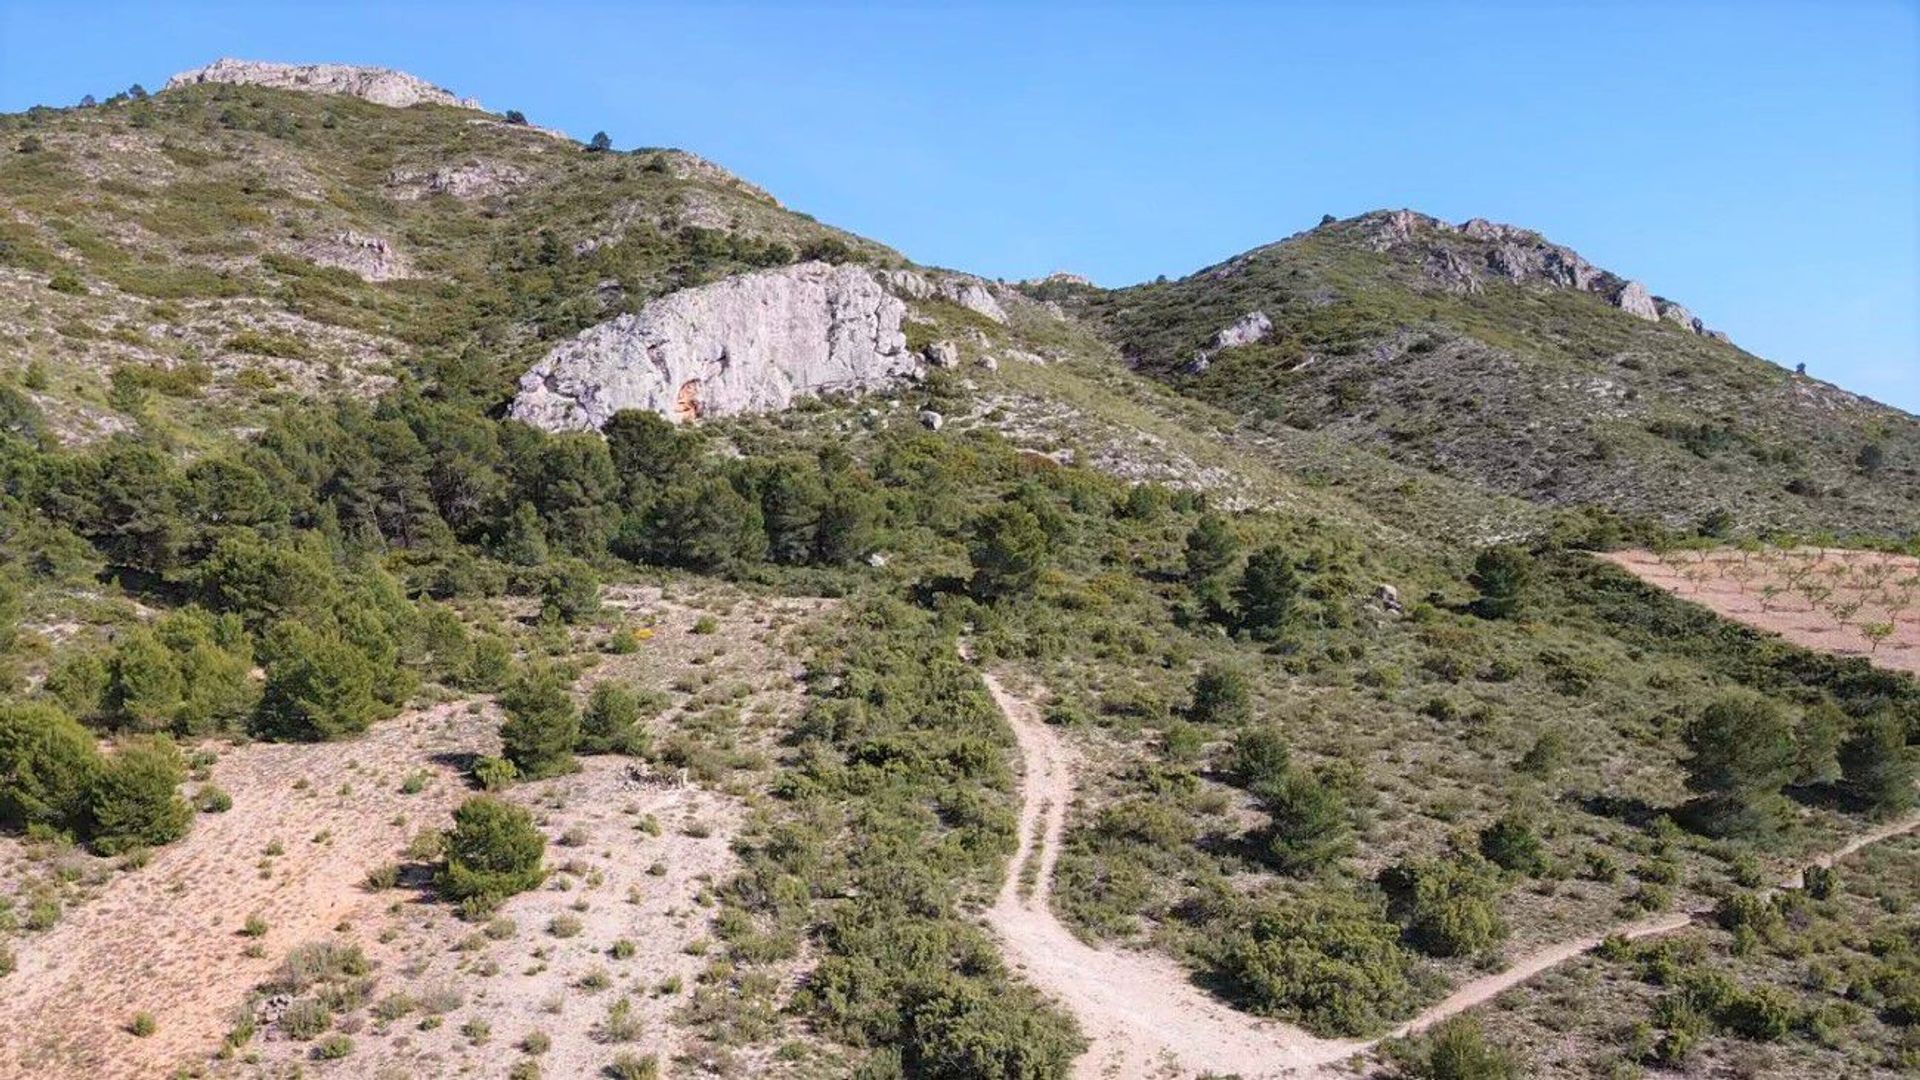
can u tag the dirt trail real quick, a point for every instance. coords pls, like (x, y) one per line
(1141, 1011)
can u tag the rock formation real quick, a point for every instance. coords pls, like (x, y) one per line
(1455, 257)
(968, 292)
(381, 86)
(371, 258)
(751, 343)
(468, 180)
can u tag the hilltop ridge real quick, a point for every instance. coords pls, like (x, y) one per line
(382, 86)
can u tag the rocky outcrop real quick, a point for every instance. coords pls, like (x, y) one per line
(968, 292)
(1247, 329)
(467, 181)
(1457, 258)
(1634, 299)
(371, 258)
(751, 343)
(382, 86)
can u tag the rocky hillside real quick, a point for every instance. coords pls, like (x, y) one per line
(1487, 353)
(258, 233)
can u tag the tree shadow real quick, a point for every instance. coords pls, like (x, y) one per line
(1628, 809)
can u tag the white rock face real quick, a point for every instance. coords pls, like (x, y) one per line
(751, 343)
(968, 292)
(381, 86)
(1634, 299)
(1249, 328)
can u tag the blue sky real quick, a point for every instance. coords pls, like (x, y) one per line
(1759, 162)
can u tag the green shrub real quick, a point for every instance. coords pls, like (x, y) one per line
(1742, 753)
(134, 801)
(50, 764)
(1503, 574)
(1220, 697)
(633, 1067)
(493, 851)
(494, 774)
(610, 723)
(1511, 844)
(1449, 905)
(1456, 1049)
(1328, 961)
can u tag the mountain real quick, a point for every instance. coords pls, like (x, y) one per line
(468, 594)
(1486, 353)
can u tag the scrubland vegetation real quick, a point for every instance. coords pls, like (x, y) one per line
(1333, 762)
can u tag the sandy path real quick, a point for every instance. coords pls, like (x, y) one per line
(1141, 1011)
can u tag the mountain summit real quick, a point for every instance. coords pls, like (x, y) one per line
(382, 86)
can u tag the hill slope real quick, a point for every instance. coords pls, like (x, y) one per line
(1486, 353)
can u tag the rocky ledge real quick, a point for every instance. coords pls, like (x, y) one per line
(382, 86)
(751, 343)
(1462, 257)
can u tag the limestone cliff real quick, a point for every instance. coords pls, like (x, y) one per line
(751, 343)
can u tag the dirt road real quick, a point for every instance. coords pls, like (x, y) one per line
(1141, 1011)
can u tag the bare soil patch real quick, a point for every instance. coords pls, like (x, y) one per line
(1849, 603)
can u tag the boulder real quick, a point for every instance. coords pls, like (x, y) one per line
(750, 343)
(943, 354)
(1247, 329)
(933, 420)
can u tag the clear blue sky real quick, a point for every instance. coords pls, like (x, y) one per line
(1756, 161)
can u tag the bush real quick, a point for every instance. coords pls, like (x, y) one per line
(1456, 1049)
(494, 774)
(319, 687)
(1742, 753)
(1875, 766)
(966, 1030)
(1511, 844)
(633, 1067)
(1266, 593)
(569, 591)
(493, 852)
(1258, 757)
(1009, 551)
(1329, 961)
(50, 765)
(1447, 904)
(610, 723)
(135, 800)
(1311, 825)
(1220, 697)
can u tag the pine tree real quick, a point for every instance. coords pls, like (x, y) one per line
(1009, 553)
(1266, 593)
(1875, 766)
(1742, 753)
(542, 725)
